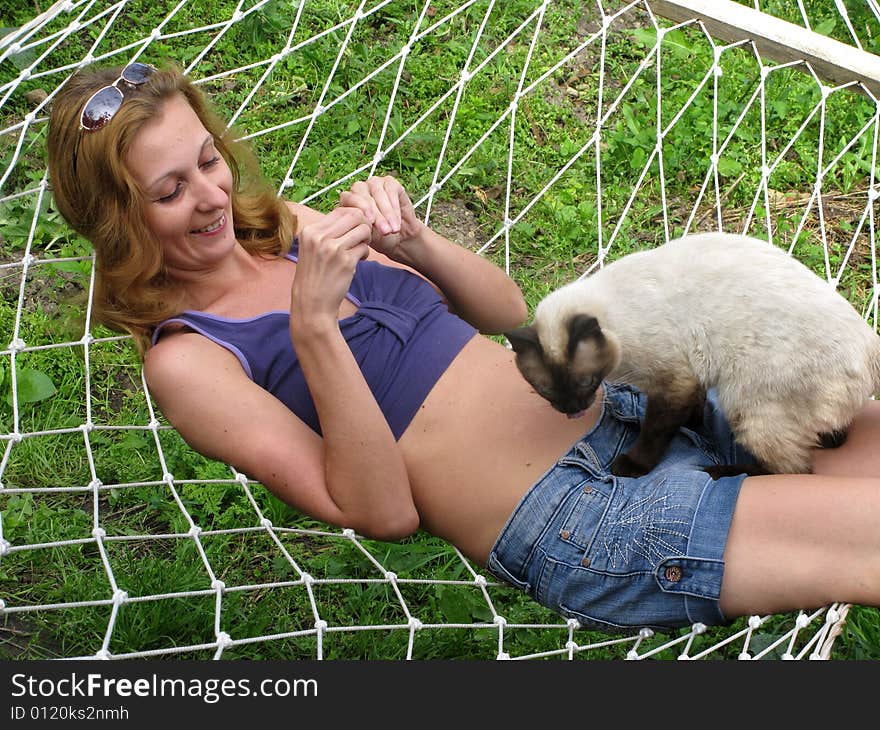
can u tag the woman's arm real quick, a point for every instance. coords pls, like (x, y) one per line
(352, 477)
(207, 397)
(476, 289)
(364, 469)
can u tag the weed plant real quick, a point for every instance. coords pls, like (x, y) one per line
(555, 242)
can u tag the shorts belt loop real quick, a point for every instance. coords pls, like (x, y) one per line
(589, 458)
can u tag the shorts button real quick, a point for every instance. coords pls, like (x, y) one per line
(564, 534)
(585, 562)
(587, 490)
(673, 574)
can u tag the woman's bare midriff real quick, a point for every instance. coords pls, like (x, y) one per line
(480, 440)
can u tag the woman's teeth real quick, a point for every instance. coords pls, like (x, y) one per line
(213, 226)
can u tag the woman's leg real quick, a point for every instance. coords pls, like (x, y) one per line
(803, 541)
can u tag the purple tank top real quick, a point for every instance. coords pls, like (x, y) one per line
(402, 336)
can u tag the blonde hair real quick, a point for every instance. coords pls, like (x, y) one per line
(99, 198)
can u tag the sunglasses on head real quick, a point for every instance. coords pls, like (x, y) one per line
(102, 106)
(105, 102)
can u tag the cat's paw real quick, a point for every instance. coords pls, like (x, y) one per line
(625, 466)
(717, 471)
(832, 439)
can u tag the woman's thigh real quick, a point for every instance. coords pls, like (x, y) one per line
(802, 541)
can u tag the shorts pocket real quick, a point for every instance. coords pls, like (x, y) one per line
(585, 508)
(494, 566)
(583, 594)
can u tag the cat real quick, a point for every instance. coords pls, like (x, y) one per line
(790, 359)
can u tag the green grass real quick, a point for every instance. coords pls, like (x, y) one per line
(556, 241)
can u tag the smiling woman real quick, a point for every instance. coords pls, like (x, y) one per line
(116, 193)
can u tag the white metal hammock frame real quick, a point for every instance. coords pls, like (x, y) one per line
(33, 66)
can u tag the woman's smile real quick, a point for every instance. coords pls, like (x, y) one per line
(212, 228)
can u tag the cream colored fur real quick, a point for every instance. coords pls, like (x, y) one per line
(790, 358)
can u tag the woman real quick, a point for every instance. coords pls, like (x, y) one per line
(336, 375)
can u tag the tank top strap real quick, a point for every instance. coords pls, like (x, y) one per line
(192, 321)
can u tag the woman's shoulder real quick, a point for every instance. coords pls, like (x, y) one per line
(183, 356)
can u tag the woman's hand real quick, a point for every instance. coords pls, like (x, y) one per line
(476, 289)
(386, 205)
(329, 250)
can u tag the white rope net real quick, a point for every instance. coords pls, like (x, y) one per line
(117, 541)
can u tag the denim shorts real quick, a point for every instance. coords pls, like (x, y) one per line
(620, 553)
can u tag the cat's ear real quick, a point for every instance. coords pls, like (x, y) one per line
(582, 327)
(524, 340)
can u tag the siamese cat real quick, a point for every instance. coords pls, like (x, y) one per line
(790, 359)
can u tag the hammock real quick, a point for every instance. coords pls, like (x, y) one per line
(594, 128)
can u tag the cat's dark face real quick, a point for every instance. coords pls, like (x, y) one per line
(568, 382)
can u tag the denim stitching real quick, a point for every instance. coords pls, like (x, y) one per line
(641, 528)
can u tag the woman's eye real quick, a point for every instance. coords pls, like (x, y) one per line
(207, 164)
(171, 196)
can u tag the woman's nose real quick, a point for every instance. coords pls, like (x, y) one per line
(210, 194)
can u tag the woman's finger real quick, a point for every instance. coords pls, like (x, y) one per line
(342, 219)
(344, 227)
(384, 192)
(362, 201)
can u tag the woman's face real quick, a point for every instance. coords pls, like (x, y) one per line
(187, 187)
